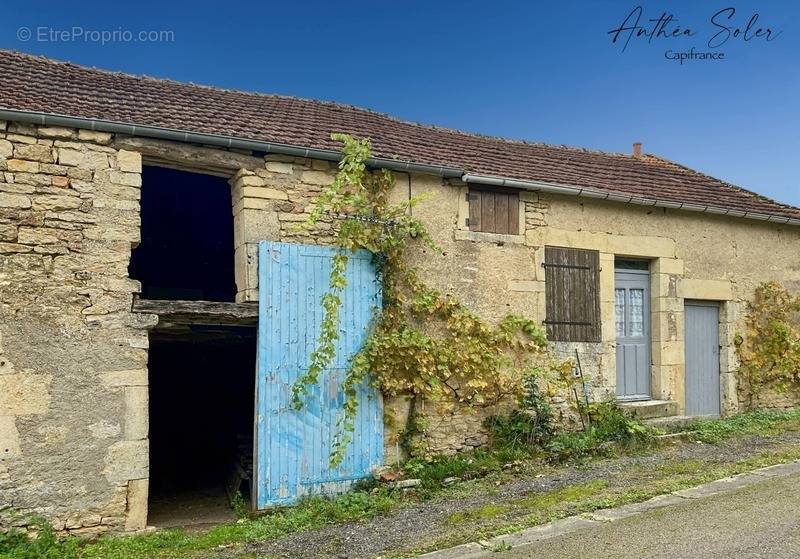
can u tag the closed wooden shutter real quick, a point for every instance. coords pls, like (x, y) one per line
(494, 211)
(572, 294)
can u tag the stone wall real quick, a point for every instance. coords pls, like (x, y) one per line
(772, 399)
(694, 256)
(435, 428)
(271, 202)
(73, 395)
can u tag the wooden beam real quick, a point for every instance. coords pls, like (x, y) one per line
(210, 313)
(176, 155)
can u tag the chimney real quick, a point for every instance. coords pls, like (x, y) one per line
(637, 149)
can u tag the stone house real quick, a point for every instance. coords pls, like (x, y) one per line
(130, 215)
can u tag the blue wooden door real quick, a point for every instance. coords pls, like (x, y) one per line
(292, 450)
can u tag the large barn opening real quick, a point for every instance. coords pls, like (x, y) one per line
(186, 249)
(201, 363)
(202, 391)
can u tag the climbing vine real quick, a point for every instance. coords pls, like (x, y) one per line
(423, 342)
(769, 351)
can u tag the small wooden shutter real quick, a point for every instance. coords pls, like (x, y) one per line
(494, 211)
(572, 287)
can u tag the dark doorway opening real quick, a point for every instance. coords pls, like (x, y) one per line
(202, 390)
(186, 250)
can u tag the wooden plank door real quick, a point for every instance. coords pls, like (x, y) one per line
(292, 447)
(702, 357)
(632, 308)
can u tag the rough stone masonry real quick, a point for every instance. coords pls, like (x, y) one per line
(73, 358)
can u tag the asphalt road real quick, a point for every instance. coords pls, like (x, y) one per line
(762, 520)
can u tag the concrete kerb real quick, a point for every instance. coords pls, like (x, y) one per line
(571, 524)
(463, 551)
(779, 470)
(632, 509)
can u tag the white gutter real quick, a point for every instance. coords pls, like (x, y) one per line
(49, 119)
(538, 186)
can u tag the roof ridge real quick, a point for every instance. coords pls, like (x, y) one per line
(478, 135)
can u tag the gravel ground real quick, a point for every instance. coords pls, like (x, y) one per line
(419, 524)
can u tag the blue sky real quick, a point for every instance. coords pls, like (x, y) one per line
(542, 71)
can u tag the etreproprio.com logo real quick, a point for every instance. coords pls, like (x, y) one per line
(98, 36)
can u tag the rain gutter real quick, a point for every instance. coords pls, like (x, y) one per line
(538, 186)
(172, 134)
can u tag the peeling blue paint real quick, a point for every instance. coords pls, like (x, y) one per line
(293, 447)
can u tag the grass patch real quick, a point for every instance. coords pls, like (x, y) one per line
(768, 422)
(610, 431)
(310, 513)
(16, 544)
(465, 466)
(485, 512)
(565, 496)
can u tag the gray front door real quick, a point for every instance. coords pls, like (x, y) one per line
(702, 357)
(632, 306)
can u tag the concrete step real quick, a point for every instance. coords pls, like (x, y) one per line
(676, 422)
(650, 409)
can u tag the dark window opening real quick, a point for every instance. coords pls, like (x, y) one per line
(493, 211)
(572, 294)
(202, 391)
(186, 250)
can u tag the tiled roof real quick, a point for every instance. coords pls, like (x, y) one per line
(32, 83)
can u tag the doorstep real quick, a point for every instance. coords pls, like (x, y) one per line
(650, 409)
(676, 421)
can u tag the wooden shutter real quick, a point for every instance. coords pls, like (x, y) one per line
(494, 211)
(572, 288)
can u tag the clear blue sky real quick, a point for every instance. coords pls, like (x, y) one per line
(542, 71)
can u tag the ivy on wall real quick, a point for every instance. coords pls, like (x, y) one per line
(769, 349)
(423, 342)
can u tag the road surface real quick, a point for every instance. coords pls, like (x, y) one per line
(760, 521)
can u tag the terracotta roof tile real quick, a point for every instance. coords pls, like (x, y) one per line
(38, 84)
